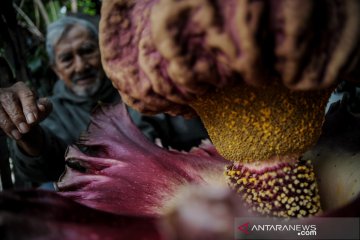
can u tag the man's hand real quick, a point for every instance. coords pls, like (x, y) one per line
(20, 111)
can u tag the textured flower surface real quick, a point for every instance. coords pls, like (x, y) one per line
(162, 54)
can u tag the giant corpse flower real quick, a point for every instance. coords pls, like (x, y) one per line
(258, 73)
(240, 65)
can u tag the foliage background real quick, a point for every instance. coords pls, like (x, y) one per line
(33, 17)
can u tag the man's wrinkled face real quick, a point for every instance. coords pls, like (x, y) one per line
(77, 61)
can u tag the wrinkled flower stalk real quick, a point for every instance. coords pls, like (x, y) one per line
(233, 62)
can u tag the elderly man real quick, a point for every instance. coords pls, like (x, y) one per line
(38, 149)
(43, 128)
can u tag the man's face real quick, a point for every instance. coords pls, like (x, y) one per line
(77, 61)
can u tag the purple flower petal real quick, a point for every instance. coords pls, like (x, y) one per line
(122, 172)
(46, 215)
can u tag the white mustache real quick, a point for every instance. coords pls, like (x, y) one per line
(91, 74)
